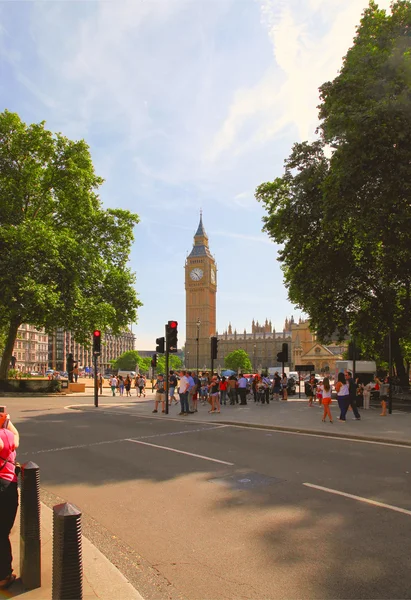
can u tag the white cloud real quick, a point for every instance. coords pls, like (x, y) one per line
(308, 46)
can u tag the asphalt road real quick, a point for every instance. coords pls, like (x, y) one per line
(194, 510)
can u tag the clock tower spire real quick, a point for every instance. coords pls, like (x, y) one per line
(201, 289)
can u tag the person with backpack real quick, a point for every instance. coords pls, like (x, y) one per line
(172, 383)
(160, 394)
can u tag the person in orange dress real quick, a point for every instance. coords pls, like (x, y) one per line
(326, 399)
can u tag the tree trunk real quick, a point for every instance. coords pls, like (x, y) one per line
(8, 348)
(398, 360)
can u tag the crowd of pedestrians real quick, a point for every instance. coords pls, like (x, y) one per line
(216, 390)
(120, 384)
(348, 392)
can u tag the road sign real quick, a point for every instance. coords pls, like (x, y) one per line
(304, 368)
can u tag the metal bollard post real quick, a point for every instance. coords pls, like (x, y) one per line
(67, 553)
(30, 552)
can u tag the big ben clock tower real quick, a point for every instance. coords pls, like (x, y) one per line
(201, 288)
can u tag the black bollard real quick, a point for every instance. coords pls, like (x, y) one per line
(30, 551)
(67, 553)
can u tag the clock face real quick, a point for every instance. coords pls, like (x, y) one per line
(212, 275)
(196, 274)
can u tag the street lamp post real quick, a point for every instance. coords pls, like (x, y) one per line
(198, 342)
(254, 348)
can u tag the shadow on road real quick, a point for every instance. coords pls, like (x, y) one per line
(274, 539)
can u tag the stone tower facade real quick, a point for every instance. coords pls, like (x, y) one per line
(201, 290)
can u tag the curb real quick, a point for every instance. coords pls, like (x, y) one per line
(283, 428)
(314, 432)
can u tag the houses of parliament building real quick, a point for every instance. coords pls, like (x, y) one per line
(263, 342)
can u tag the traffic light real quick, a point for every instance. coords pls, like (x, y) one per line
(96, 342)
(172, 333)
(285, 352)
(280, 357)
(154, 360)
(160, 345)
(214, 347)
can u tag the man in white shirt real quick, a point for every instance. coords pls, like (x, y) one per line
(183, 393)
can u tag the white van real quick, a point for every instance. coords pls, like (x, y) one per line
(132, 374)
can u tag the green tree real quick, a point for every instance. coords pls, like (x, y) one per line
(344, 220)
(127, 361)
(175, 363)
(63, 258)
(238, 359)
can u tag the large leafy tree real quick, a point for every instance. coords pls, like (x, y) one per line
(342, 208)
(63, 258)
(174, 362)
(238, 359)
(127, 361)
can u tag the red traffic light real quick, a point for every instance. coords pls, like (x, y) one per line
(97, 333)
(173, 324)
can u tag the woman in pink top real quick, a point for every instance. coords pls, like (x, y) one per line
(9, 441)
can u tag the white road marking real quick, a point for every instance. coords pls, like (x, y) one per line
(359, 498)
(257, 428)
(144, 437)
(222, 462)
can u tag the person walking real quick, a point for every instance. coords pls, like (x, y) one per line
(141, 386)
(100, 383)
(242, 389)
(352, 395)
(311, 389)
(113, 384)
(183, 393)
(172, 384)
(9, 442)
(284, 385)
(160, 394)
(127, 385)
(343, 396)
(121, 385)
(384, 391)
(326, 399)
(276, 386)
(214, 395)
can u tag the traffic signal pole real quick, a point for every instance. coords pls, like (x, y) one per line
(166, 373)
(95, 381)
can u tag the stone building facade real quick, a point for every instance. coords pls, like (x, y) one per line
(31, 349)
(307, 350)
(262, 345)
(62, 343)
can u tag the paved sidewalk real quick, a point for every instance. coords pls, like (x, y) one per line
(101, 579)
(292, 415)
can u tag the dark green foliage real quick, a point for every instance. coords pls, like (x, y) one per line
(63, 258)
(342, 208)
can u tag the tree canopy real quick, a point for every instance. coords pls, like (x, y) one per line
(238, 359)
(63, 258)
(342, 208)
(127, 361)
(174, 363)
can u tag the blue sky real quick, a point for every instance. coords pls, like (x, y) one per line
(186, 104)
